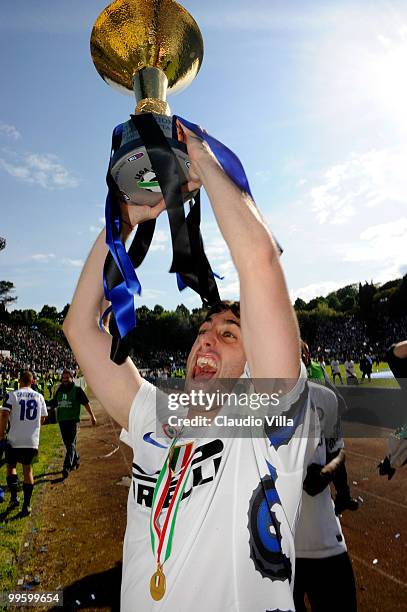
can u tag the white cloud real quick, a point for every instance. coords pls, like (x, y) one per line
(384, 244)
(40, 169)
(74, 263)
(9, 130)
(264, 175)
(230, 290)
(317, 289)
(363, 181)
(51, 257)
(160, 241)
(151, 294)
(43, 257)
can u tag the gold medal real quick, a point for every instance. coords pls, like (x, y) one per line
(157, 584)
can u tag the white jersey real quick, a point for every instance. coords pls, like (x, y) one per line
(350, 369)
(335, 367)
(26, 408)
(319, 533)
(233, 545)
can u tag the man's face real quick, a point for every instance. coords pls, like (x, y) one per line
(217, 351)
(66, 378)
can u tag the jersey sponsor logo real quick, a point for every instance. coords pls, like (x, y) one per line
(265, 535)
(135, 156)
(204, 467)
(140, 174)
(147, 438)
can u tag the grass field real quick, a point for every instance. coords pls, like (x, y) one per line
(378, 382)
(13, 529)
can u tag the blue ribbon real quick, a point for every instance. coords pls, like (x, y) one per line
(230, 163)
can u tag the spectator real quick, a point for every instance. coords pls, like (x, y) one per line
(67, 401)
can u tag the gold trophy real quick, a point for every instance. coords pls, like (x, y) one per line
(149, 48)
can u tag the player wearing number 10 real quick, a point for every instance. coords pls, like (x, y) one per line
(25, 410)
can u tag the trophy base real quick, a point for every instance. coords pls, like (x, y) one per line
(132, 170)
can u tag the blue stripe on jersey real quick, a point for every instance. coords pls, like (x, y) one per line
(282, 435)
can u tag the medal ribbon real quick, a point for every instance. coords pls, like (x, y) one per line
(161, 537)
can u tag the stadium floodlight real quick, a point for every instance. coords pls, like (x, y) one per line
(2, 243)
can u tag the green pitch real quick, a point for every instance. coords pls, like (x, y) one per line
(14, 531)
(375, 382)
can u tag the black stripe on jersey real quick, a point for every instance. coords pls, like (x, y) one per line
(140, 469)
(144, 478)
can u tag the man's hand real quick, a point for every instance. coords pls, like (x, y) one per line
(93, 419)
(134, 214)
(199, 153)
(315, 480)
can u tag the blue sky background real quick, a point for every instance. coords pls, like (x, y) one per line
(312, 96)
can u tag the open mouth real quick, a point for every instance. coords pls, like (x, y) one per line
(205, 368)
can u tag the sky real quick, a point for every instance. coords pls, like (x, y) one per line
(312, 97)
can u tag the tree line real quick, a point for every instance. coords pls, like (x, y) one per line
(161, 329)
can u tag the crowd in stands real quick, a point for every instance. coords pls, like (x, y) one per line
(351, 337)
(164, 360)
(29, 348)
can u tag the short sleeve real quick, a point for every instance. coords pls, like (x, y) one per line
(288, 400)
(142, 412)
(82, 397)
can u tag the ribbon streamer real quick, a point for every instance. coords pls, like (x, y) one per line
(190, 263)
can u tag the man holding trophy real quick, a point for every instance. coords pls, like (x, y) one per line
(210, 522)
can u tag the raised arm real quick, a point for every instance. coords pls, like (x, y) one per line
(268, 322)
(114, 386)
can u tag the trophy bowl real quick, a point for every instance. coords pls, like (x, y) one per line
(148, 48)
(130, 35)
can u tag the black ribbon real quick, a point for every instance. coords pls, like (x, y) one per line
(189, 259)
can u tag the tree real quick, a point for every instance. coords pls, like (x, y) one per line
(63, 313)
(24, 317)
(6, 289)
(48, 312)
(366, 295)
(314, 303)
(398, 302)
(2, 243)
(333, 301)
(158, 310)
(299, 304)
(182, 311)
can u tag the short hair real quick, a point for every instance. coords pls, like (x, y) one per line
(222, 306)
(67, 371)
(26, 377)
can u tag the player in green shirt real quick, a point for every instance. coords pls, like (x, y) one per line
(67, 401)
